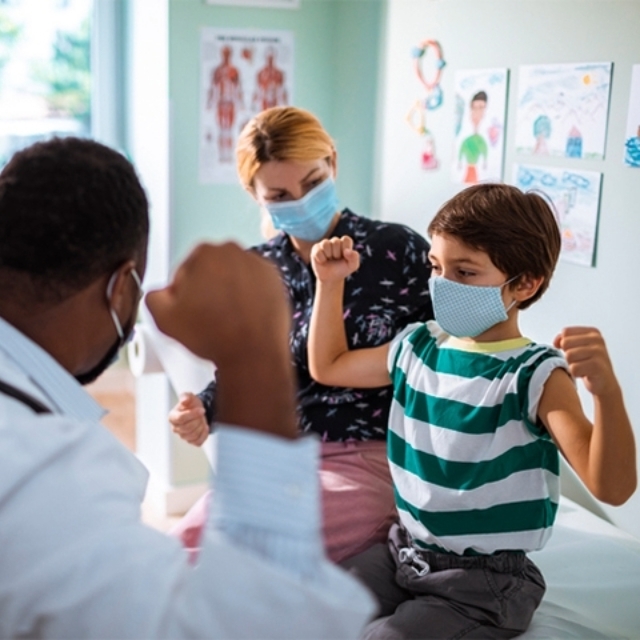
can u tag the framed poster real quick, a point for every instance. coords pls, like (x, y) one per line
(243, 72)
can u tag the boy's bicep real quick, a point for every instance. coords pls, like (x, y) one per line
(560, 410)
(361, 368)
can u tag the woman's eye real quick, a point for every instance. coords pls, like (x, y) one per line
(312, 185)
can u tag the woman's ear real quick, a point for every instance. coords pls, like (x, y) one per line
(267, 230)
(526, 287)
(333, 161)
(251, 191)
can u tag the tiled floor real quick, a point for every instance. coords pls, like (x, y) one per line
(115, 391)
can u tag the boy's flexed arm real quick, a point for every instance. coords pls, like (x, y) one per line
(330, 360)
(603, 454)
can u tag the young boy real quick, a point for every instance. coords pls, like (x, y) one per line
(479, 414)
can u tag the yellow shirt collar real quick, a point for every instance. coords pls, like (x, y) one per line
(485, 347)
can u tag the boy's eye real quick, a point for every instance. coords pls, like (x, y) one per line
(463, 273)
(435, 268)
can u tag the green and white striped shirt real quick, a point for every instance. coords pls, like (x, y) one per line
(474, 471)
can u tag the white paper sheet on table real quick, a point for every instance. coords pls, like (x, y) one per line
(151, 351)
(592, 570)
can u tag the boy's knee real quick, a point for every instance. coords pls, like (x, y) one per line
(376, 569)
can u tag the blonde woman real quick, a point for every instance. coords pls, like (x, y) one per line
(288, 163)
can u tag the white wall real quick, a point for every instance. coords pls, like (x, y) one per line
(178, 471)
(479, 34)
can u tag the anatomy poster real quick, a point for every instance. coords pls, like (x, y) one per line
(563, 109)
(632, 137)
(243, 71)
(576, 201)
(481, 100)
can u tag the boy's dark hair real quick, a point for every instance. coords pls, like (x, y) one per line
(517, 230)
(71, 210)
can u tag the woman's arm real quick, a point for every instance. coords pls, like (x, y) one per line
(330, 360)
(208, 398)
(415, 300)
(603, 454)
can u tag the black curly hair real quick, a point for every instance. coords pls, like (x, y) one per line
(71, 210)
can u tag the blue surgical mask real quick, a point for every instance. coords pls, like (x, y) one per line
(466, 311)
(308, 218)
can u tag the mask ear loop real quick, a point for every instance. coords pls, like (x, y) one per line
(136, 277)
(114, 315)
(514, 302)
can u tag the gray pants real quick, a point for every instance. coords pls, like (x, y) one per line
(425, 595)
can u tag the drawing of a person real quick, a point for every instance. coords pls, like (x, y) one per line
(225, 95)
(474, 147)
(270, 88)
(541, 132)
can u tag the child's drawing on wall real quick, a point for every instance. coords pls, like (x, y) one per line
(480, 114)
(417, 115)
(574, 143)
(541, 132)
(632, 137)
(576, 201)
(416, 118)
(562, 109)
(474, 147)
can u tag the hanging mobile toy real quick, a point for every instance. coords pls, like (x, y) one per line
(417, 115)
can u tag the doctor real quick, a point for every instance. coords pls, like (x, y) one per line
(76, 561)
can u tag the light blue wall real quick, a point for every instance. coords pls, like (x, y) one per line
(336, 46)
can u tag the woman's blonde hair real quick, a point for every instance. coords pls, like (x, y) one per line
(281, 134)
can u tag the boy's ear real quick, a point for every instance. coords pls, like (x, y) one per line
(526, 287)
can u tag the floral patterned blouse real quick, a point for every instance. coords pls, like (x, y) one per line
(388, 292)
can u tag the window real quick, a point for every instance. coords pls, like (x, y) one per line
(60, 65)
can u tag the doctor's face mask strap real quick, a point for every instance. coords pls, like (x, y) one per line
(517, 230)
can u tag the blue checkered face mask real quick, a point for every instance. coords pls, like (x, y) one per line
(464, 310)
(308, 218)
